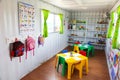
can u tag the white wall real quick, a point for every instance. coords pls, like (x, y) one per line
(14, 70)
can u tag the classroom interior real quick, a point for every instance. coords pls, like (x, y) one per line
(60, 40)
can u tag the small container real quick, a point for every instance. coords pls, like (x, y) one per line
(71, 55)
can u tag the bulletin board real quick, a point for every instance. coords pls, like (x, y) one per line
(26, 20)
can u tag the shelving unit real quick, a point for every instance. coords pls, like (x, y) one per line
(88, 27)
(77, 30)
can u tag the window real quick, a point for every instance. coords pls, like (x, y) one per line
(57, 23)
(50, 23)
(53, 22)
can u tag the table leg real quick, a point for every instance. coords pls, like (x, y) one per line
(86, 66)
(69, 71)
(80, 71)
(56, 61)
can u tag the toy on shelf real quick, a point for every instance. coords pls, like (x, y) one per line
(101, 41)
(103, 28)
(73, 21)
(73, 35)
(80, 21)
(98, 28)
(70, 39)
(70, 26)
(77, 42)
(81, 28)
(102, 21)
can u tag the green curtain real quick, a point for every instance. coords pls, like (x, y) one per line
(45, 29)
(61, 23)
(111, 26)
(116, 37)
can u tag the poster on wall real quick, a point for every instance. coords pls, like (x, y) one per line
(113, 63)
(118, 70)
(26, 20)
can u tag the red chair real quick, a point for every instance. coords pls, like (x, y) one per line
(82, 52)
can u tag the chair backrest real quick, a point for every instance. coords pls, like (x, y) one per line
(79, 66)
(76, 49)
(61, 60)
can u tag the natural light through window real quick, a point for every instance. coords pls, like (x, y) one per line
(50, 23)
(57, 23)
(53, 22)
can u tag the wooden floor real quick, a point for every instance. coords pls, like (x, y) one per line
(98, 70)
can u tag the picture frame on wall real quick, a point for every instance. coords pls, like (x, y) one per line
(26, 18)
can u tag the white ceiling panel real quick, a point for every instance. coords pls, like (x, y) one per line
(83, 4)
(96, 1)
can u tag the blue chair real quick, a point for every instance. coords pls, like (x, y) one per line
(89, 43)
(64, 51)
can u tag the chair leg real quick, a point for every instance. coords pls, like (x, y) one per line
(93, 51)
(72, 68)
(80, 70)
(80, 74)
(57, 67)
(63, 70)
(87, 53)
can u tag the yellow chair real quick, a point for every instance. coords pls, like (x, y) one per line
(76, 49)
(79, 66)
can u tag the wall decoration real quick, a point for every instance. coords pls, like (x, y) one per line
(26, 20)
(118, 69)
(113, 74)
(115, 62)
(114, 67)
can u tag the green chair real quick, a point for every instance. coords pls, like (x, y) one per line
(61, 60)
(87, 48)
(90, 50)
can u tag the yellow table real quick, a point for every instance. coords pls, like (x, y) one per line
(76, 58)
